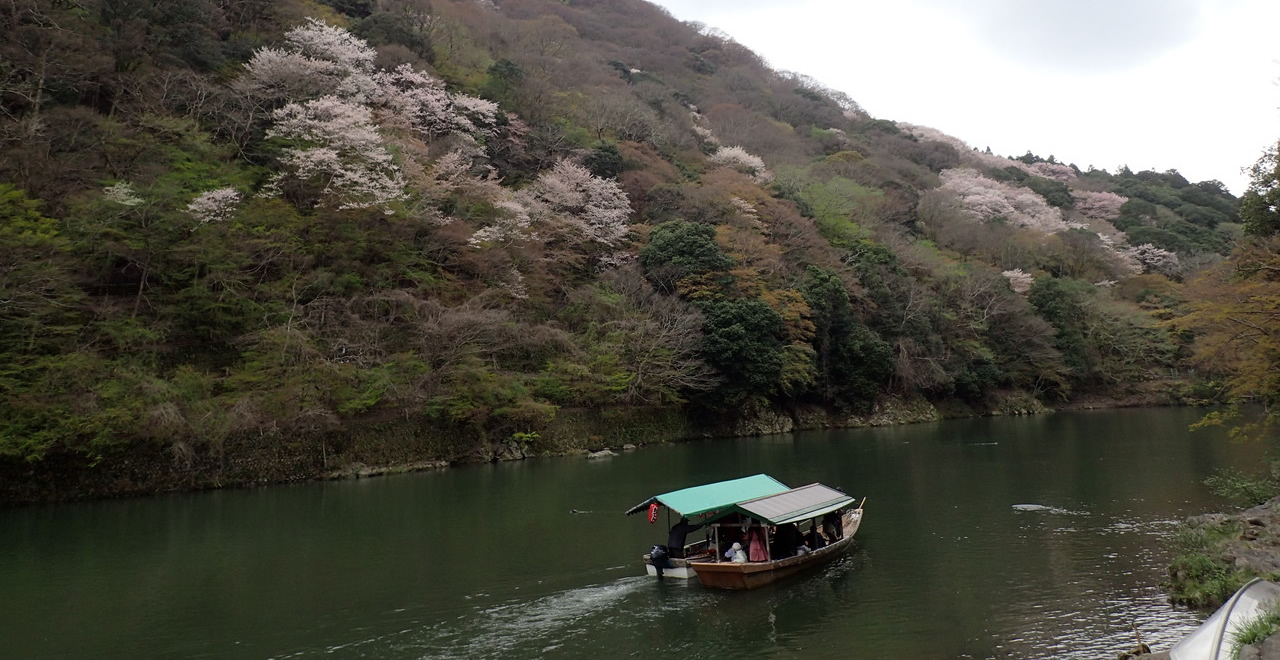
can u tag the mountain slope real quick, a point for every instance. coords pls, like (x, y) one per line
(268, 220)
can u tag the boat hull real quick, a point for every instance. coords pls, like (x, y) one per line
(679, 568)
(729, 575)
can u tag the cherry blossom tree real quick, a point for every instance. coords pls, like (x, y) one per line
(565, 203)
(594, 209)
(934, 135)
(1152, 259)
(338, 147)
(1098, 205)
(739, 159)
(706, 137)
(215, 205)
(122, 193)
(319, 59)
(418, 101)
(968, 155)
(983, 199)
(1019, 281)
(511, 223)
(337, 112)
(1055, 171)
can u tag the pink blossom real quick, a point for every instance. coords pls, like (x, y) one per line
(320, 60)
(1152, 259)
(739, 159)
(511, 223)
(1052, 171)
(214, 205)
(597, 209)
(122, 193)
(321, 41)
(983, 199)
(339, 146)
(421, 103)
(451, 170)
(1019, 281)
(934, 135)
(1099, 205)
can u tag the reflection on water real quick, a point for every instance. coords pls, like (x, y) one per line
(1040, 537)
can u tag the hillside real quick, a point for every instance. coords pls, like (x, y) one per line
(234, 226)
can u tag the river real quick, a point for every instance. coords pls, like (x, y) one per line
(534, 559)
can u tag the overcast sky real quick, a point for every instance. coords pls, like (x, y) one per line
(1189, 85)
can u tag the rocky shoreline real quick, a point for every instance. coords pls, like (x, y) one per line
(1247, 542)
(1220, 552)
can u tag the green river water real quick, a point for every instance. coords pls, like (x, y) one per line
(535, 560)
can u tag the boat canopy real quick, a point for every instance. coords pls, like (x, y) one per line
(795, 505)
(707, 498)
(1213, 639)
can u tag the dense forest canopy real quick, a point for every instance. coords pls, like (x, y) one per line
(271, 217)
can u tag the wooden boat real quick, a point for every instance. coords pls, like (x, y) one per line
(779, 510)
(730, 575)
(702, 503)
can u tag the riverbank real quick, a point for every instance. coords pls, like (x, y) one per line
(395, 442)
(392, 445)
(1219, 552)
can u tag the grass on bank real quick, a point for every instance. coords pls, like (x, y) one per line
(1198, 577)
(1255, 629)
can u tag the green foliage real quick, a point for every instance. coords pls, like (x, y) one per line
(837, 205)
(741, 340)
(853, 364)
(502, 83)
(355, 8)
(22, 225)
(1197, 576)
(1010, 173)
(1242, 489)
(1101, 341)
(390, 28)
(1055, 192)
(1260, 206)
(605, 161)
(477, 396)
(1061, 302)
(1164, 209)
(678, 250)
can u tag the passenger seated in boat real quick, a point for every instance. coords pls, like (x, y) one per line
(786, 540)
(814, 540)
(727, 536)
(675, 540)
(735, 554)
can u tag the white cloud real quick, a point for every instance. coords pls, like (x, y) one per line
(1084, 36)
(1152, 84)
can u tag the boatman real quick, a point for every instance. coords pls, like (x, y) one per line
(679, 531)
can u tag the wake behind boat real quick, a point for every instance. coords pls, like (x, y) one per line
(755, 532)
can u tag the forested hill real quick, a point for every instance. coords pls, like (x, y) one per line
(231, 219)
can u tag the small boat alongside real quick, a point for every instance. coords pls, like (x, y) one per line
(754, 540)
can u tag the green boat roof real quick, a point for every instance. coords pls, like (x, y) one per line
(698, 500)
